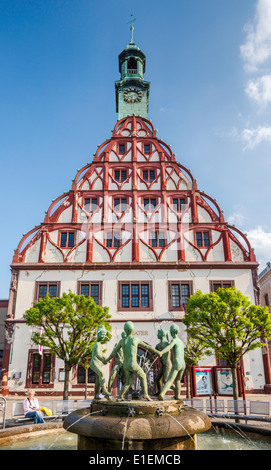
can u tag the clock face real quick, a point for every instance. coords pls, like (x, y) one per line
(132, 95)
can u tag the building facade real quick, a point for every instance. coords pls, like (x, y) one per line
(136, 234)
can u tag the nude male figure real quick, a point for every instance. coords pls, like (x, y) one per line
(129, 345)
(166, 364)
(178, 364)
(118, 367)
(96, 363)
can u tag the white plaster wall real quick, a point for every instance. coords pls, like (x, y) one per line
(32, 255)
(147, 330)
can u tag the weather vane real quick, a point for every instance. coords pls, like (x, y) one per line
(132, 27)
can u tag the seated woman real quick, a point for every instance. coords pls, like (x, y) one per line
(32, 408)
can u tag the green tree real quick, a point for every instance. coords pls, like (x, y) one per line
(194, 352)
(229, 324)
(69, 326)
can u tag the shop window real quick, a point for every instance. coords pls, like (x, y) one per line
(81, 375)
(40, 369)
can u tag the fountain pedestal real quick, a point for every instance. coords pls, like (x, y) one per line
(137, 425)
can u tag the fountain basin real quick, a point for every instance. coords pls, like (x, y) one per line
(137, 425)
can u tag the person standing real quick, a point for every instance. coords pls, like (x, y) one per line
(32, 408)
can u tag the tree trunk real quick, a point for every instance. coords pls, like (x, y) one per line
(235, 390)
(66, 380)
(86, 384)
(188, 384)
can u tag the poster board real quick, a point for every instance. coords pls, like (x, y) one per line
(203, 381)
(224, 381)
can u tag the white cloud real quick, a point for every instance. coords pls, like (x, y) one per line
(237, 218)
(257, 48)
(260, 240)
(260, 90)
(254, 137)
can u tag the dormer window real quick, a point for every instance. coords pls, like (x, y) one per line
(203, 239)
(90, 204)
(148, 175)
(177, 204)
(67, 239)
(147, 148)
(120, 204)
(122, 149)
(149, 204)
(120, 175)
(113, 239)
(158, 239)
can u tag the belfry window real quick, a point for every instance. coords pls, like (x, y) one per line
(132, 65)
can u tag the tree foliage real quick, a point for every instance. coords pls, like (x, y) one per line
(228, 323)
(67, 325)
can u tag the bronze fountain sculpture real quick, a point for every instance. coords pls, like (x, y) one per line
(119, 423)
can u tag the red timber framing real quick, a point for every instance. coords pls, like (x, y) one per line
(134, 164)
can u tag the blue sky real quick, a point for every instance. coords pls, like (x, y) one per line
(209, 64)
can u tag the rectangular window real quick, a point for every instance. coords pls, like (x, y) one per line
(87, 204)
(67, 239)
(214, 285)
(177, 204)
(46, 288)
(40, 369)
(203, 239)
(91, 289)
(147, 149)
(120, 204)
(179, 293)
(81, 375)
(113, 239)
(91, 204)
(158, 240)
(122, 148)
(149, 204)
(120, 175)
(149, 175)
(135, 295)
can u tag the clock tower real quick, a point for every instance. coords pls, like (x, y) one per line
(132, 91)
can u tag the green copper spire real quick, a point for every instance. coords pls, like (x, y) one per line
(132, 91)
(132, 28)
